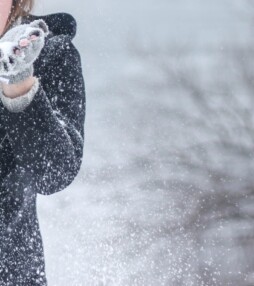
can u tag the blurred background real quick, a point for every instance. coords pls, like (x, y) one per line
(165, 195)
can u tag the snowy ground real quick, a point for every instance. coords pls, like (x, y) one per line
(124, 221)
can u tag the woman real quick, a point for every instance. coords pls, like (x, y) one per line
(42, 113)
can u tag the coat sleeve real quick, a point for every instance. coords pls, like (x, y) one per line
(47, 137)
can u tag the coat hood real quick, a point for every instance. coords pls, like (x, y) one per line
(58, 23)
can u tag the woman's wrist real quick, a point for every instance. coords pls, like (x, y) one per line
(18, 89)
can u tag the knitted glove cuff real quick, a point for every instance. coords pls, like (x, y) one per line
(20, 103)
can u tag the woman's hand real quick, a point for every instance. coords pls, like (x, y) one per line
(18, 89)
(22, 87)
(19, 48)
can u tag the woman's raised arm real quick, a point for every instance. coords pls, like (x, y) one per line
(47, 137)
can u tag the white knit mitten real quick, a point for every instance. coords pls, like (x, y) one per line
(19, 48)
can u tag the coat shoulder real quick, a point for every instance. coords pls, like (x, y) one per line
(60, 24)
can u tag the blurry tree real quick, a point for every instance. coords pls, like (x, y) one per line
(203, 102)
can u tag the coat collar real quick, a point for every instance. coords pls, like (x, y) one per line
(59, 23)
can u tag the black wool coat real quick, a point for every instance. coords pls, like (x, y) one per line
(41, 151)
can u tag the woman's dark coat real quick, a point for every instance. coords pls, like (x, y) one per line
(41, 151)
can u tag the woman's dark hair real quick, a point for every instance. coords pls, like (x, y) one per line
(19, 8)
